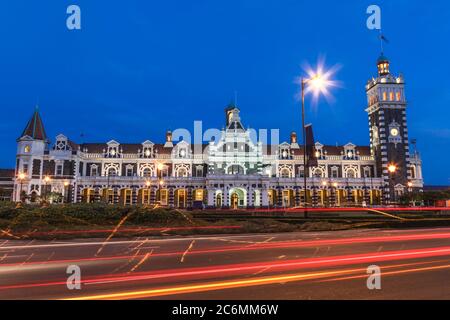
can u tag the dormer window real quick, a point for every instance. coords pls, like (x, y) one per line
(27, 149)
(147, 149)
(350, 152)
(182, 153)
(113, 149)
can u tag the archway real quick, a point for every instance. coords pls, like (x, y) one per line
(238, 198)
(219, 199)
(180, 198)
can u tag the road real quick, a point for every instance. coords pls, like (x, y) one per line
(415, 264)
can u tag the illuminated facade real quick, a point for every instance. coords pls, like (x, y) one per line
(233, 171)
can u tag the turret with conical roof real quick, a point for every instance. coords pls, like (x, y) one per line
(35, 128)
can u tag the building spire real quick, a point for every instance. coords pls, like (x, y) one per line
(35, 127)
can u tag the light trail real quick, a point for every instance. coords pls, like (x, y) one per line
(244, 268)
(239, 283)
(255, 246)
(221, 285)
(128, 230)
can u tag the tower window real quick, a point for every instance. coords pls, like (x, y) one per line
(398, 97)
(391, 96)
(384, 96)
(59, 170)
(27, 149)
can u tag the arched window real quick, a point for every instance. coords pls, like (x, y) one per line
(318, 173)
(182, 172)
(351, 173)
(147, 172)
(285, 173)
(413, 172)
(112, 172)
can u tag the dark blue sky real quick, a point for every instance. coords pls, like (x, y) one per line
(138, 68)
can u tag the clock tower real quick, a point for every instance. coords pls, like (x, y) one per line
(388, 130)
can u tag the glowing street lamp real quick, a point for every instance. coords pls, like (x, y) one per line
(21, 177)
(47, 180)
(392, 168)
(317, 82)
(66, 190)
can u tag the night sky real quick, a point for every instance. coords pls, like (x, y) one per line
(138, 68)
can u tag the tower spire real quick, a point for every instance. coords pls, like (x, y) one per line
(35, 127)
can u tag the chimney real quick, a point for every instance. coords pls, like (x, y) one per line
(294, 141)
(168, 143)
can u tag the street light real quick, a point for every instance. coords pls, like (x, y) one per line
(21, 178)
(148, 184)
(392, 168)
(46, 180)
(318, 82)
(66, 190)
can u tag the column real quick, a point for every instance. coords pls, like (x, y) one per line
(211, 197)
(264, 198)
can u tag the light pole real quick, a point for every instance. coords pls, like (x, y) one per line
(148, 184)
(21, 178)
(410, 185)
(392, 168)
(46, 180)
(318, 83)
(66, 191)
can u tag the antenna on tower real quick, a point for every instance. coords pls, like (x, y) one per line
(235, 98)
(382, 38)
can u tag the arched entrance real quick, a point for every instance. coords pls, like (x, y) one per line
(180, 197)
(219, 201)
(238, 198)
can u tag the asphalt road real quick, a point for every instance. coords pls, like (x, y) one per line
(415, 264)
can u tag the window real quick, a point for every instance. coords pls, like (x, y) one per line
(367, 172)
(413, 172)
(199, 171)
(285, 173)
(384, 96)
(147, 172)
(25, 168)
(391, 96)
(27, 149)
(198, 196)
(112, 172)
(334, 172)
(59, 169)
(301, 172)
(318, 173)
(351, 174)
(94, 171)
(182, 172)
(398, 96)
(130, 171)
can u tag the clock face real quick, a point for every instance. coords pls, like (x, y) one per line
(394, 132)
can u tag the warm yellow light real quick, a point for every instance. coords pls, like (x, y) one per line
(317, 154)
(161, 182)
(335, 184)
(318, 82)
(147, 183)
(324, 183)
(392, 168)
(66, 184)
(160, 166)
(47, 179)
(410, 184)
(21, 176)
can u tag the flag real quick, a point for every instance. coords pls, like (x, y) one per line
(383, 38)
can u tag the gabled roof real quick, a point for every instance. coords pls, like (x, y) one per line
(35, 128)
